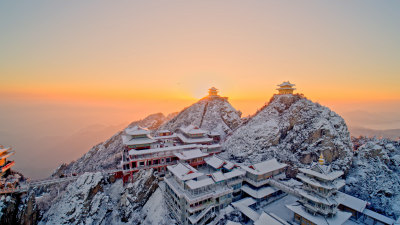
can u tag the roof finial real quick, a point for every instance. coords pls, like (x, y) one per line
(321, 159)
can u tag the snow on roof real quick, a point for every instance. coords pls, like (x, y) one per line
(325, 176)
(266, 219)
(184, 171)
(234, 173)
(243, 206)
(219, 176)
(286, 83)
(229, 165)
(351, 202)
(190, 154)
(2, 149)
(265, 167)
(136, 130)
(192, 130)
(260, 193)
(194, 184)
(214, 161)
(378, 216)
(338, 219)
(194, 140)
(8, 154)
(128, 140)
(232, 223)
(336, 184)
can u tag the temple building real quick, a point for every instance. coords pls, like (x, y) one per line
(143, 151)
(319, 198)
(196, 196)
(213, 92)
(194, 135)
(286, 88)
(257, 177)
(5, 164)
(137, 138)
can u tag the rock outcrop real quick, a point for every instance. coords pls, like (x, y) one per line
(96, 198)
(293, 129)
(213, 114)
(375, 174)
(19, 209)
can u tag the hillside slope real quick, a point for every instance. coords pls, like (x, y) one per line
(292, 129)
(212, 114)
(375, 174)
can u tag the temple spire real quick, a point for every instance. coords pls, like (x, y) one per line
(321, 159)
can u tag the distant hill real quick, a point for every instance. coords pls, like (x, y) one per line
(393, 134)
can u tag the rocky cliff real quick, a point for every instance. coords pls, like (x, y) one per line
(293, 129)
(19, 209)
(96, 198)
(375, 174)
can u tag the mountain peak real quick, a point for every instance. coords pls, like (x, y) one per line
(212, 113)
(294, 129)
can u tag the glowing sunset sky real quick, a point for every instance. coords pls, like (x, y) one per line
(68, 65)
(177, 49)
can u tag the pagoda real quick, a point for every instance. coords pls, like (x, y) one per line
(319, 197)
(5, 165)
(213, 92)
(286, 88)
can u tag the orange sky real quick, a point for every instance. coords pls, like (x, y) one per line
(174, 51)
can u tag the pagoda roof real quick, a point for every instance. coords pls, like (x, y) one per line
(351, 202)
(193, 140)
(2, 149)
(215, 162)
(265, 167)
(338, 219)
(327, 175)
(136, 130)
(213, 89)
(191, 129)
(286, 83)
(7, 154)
(315, 198)
(184, 171)
(286, 88)
(190, 154)
(259, 193)
(336, 184)
(128, 140)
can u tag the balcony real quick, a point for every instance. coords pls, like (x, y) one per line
(317, 209)
(200, 207)
(190, 197)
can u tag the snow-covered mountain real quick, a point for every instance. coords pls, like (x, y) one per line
(375, 174)
(293, 129)
(107, 155)
(210, 113)
(101, 199)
